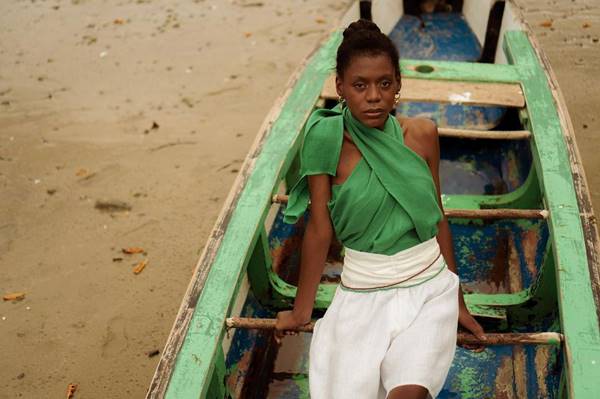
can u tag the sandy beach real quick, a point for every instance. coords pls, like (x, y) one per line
(122, 125)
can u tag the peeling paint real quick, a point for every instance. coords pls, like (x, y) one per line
(504, 381)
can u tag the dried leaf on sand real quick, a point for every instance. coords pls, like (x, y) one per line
(14, 296)
(140, 266)
(112, 206)
(133, 250)
(71, 388)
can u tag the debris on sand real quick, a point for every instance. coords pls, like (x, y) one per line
(71, 388)
(14, 296)
(140, 266)
(153, 353)
(89, 39)
(171, 144)
(112, 206)
(547, 23)
(132, 250)
(82, 172)
(188, 101)
(154, 126)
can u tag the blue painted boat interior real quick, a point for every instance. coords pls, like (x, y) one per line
(443, 37)
(436, 36)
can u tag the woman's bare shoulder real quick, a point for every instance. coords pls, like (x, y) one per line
(421, 135)
(418, 128)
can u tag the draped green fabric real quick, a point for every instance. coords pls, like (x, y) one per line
(388, 203)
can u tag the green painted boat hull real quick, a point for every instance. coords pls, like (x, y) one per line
(520, 275)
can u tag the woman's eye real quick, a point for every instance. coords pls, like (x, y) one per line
(386, 83)
(359, 85)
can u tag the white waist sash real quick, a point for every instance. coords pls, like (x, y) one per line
(415, 265)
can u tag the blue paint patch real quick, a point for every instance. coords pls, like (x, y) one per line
(444, 37)
(454, 115)
(245, 343)
(490, 374)
(483, 167)
(436, 36)
(485, 253)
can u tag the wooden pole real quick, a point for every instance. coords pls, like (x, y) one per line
(470, 213)
(496, 213)
(543, 338)
(484, 134)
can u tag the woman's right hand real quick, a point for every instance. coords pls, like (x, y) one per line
(286, 323)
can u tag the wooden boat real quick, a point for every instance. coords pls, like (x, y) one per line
(514, 189)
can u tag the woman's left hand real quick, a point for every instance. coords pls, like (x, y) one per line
(467, 321)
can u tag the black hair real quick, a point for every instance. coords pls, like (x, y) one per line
(364, 37)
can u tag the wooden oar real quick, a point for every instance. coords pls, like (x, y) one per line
(469, 213)
(544, 338)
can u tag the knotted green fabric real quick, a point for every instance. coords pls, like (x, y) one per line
(398, 171)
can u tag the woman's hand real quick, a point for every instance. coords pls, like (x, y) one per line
(287, 321)
(467, 321)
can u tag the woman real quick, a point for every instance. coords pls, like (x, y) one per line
(390, 331)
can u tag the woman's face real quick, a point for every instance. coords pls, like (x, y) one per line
(369, 85)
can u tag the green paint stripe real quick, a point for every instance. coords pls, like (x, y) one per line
(461, 71)
(516, 298)
(194, 363)
(579, 320)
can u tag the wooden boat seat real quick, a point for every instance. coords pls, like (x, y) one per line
(491, 306)
(452, 92)
(486, 214)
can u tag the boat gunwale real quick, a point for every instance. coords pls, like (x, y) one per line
(586, 339)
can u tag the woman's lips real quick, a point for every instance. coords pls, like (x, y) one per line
(374, 113)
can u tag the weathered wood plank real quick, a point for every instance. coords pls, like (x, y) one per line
(453, 92)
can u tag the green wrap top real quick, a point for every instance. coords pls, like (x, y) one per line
(389, 201)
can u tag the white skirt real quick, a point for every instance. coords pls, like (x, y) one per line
(370, 342)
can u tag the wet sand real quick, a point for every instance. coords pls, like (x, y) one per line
(569, 34)
(150, 106)
(123, 124)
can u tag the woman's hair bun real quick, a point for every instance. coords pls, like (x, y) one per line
(360, 26)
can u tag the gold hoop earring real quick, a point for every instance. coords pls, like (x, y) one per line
(397, 98)
(341, 99)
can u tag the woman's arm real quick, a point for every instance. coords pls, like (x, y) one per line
(315, 245)
(429, 147)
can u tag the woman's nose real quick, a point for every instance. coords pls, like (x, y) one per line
(373, 94)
